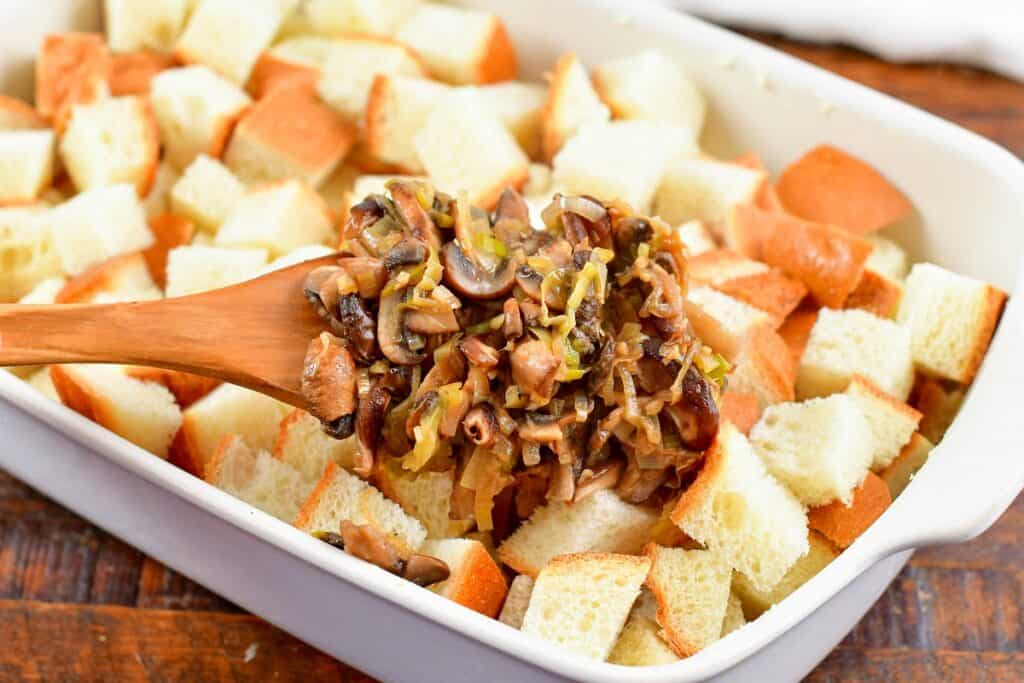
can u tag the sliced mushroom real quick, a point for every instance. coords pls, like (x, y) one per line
(369, 423)
(512, 219)
(421, 404)
(480, 425)
(368, 273)
(606, 476)
(408, 252)
(479, 353)
(530, 281)
(424, 570)
(512, 325)
(370, 544)
(637, 485)
(414, 214)
(540, 430)
(358, 326)
(695, 415)
(534, 368)
(437, 321)
(392, 334)
(473, 281)
(562, 486)
(329, 379)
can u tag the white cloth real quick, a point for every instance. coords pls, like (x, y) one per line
(985, 33)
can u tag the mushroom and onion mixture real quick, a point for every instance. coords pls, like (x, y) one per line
(541, 364)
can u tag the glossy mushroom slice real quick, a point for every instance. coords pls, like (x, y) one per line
(329, 384)
(393, 335)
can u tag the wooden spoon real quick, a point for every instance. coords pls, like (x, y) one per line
(253, 334)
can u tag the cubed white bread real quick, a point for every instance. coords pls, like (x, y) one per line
(170, 231)
(622, 160)
(844, 523)
(112, 141)
(309, 51)
(424, 495)
(912, 458)
(704, 189)
(734, 618)
(538, 182)
(373, 17)
(45, 292)
(821, 449)
(298, 255)
(601, 522)
(737, 317)
(302, 443)
(195, 269)
(17, 115)
(650, 85)
(122, 278)
(70, 67)
(876, 293)
(28, 253)
(41, 381)
(888, 258)
(850, 342)
(572, 104)
(939, 403)
(293, 63)
(756, 601)
(581, 601)
(336, 190)
(892, 422)
(951, 319)
(186, 388)
(133, 25)
(518, 105)
(763, 367)
(98, 224)
(257, 478)
(132, 73)
(475, 581)
(696, 236)
(158, 201)
(342, 496)
(460, 45)
(640, 643)
(279, 218)
(449, 147)
(517, 601)
(397, 108)
(353, 63)
(692, 589)
(739, 510)
(206, 193)
(196, 109)
(229, 35)
(26, 165)
(720, 266)
(228, 409)
(140, 412)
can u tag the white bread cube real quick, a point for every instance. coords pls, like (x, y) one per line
(737, 509)
(343, 496)
(41, 381)
(539, 181)
(133, 25)
(140, 412)
(254, 476)
(229, 35)
(821, 449)
(450, 145)
(70, 67)
(572, 104)
(195, 269)
(98, 224)
(228, 409)
(278, 218)
(122, 278)
(650, 85)
(112, 141)
(45, 292)
(703, 189)
(397, 108)
(898, 474)
(887, 258)
(756, 601)
(734, 618)
(737, 316)
(951, 319)
(158, 201)
(764, 367)
(206, 193)
(892, 422)
(475, 580)
(602, 522)
(294, 63)
(640, 643)
(27, 251)
(297, 256)
(336, 190)
(308, 51)
(196, 110)
(518, 105)
(353, 63)
(581, 602)
(372, 17)
(692, 590)
(697, 238)
(622, 160)
(302, 443)
(460, 45)
(17, 115)
(26, 165)
(850, 342)
(426, 496)
(517, 601)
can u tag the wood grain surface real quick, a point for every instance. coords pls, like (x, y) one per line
(77, 604)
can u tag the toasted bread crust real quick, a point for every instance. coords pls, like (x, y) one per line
(272, 72)
(875, 293)
(796, 331)
(222, 130)
(65, 60)
(995, 300)
(700, 490)
(894, 404)
(185, 387)
(775, 368)
(184, 451)
(152, 143)
(552, 139)
(375, 126)
(83, 287)
(772, 292)
(841, 524)
(499, 62)
(740, 409)
(79, 397)
(515, 179)
(15, 108)
(479, 584)
(311, 504)
(676, 640)
(912, 457)
(212, 471)
(287, 424)
(170, 231)
(132, 72)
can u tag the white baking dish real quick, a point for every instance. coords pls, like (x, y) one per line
(970, 196)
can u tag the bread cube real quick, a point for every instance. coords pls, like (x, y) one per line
(26, 165)
(336, 190)
(697, 238)
(796, 331)
(734, 618)
(426, 496)
(887, 259)
(757, 601)
(737, 316)
(737, 509)
(45, 292)
(27, 250)
(460, 45)
(68, 65)
(228, 35)
(705, 190)
(828, 185)
(763, 367)
(273, 486)
(845, 343)
(939, 404)
(650, 85)
(342, 496)
(475, 581)
(289, 134)
(298, 255)
(16, 115)
(278, 218)
(876, 293)
(912, 458)
(133, 25)
(601, 522)
(581, 602)
(572, 104)
(196, 110)
(951, 319)
(98, 224)
(892, 422)
(518, 105)
(157, 202)
(122, 278)
(821, 448)
(302, 443)
(353, 63)
(749, 281)
(142, 413)
(692, 590)
(843, 523)
(449, 147)
(397, 108)
(741, 409)
(640, 643)
(516, 601)
(41, 381)
(195, 269)
(132, 73)
(295, 62)
(207, 193)
(170, 232)
(372, 17)
(622, 160)
(185, 387)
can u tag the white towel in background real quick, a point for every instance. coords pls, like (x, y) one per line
(985, 33)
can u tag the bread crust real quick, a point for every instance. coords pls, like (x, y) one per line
(28, 117)
(498, 62)
(65, 60)
(144, 110)
(310, 506)
(83, 287)
(375, 127)
(740, 409)
(796, 331)
(132, 72)
(552, 139)
(875, 293)
(985, 327)
(170, 231)
(676, 640)
(701, 489)
(479, 583)
(212, 471)
(185, 387)
(841, 524)
(272, 72)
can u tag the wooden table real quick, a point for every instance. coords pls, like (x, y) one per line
(76, 604)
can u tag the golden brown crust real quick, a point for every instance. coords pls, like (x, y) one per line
(78, 397)
(841, 524)
(938, 405)
(676, 640)
(27, 116)
(740, 409)
(877, 294)
(272, 72)
(498, 63)
(601, 88)
(212, 470)
(222, 130)
(185, 387)
(772, 292)
(132, 72)
(170, 231)
(774, 366)
(65, 61)
(184, 451)
(311, 504)
(98, 278)
(152, 144)
(796, 330)
(287, 424)
(479, 583)
(700, 490)
(983, 329)
(894, 405)
(552, 140)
